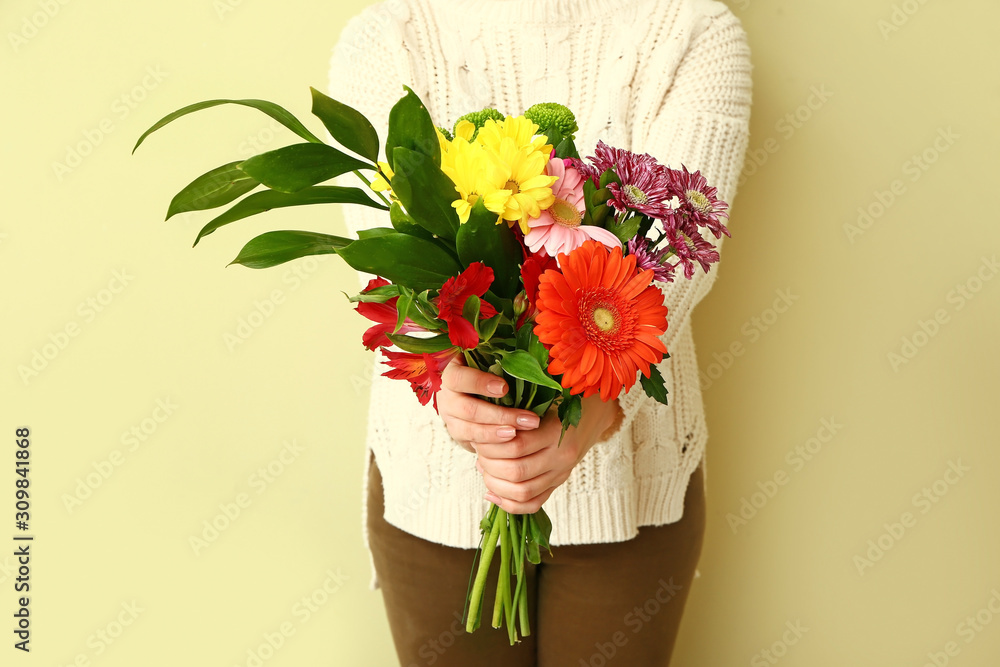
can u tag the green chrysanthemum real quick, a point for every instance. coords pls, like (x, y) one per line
(478, 118)
(553, 115)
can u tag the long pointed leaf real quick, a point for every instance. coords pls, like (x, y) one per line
(426, 192)
(402, 259)
(270, 108)
(212, 189)
(410, 126)
(420, 345)
(265, 201)
(522, 365)
(273, 248)
(292, 168)
(347, 125)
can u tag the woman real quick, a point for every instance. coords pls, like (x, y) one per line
(625, 490)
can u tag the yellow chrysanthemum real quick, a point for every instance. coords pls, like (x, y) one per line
(442, 141)
(464, 130)
(522, 157)
(475, 175)
(522, 172)
(520, 130)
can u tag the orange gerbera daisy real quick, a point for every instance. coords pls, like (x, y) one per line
(600, 319)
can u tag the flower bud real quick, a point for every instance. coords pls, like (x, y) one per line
(520, 304)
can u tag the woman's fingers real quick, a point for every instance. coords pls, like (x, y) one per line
(479, 433)
(471, 409)
(523, 502)
(463, 379)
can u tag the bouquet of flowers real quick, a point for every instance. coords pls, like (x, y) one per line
(503, 246)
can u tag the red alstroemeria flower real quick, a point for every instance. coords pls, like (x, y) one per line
(532, 268)
(384, 314)
(474, 281)
(422, 371)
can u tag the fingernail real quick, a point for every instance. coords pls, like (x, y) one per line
(496, 387)
(506, 432)
(493, 498)
(528, 421)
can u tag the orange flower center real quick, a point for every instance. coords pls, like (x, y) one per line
(512, 186)
(565, 213)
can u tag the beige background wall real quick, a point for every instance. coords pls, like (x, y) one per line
(148, 421)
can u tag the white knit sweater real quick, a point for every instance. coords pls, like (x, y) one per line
(665, 77)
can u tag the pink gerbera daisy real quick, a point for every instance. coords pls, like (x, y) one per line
(558, 229)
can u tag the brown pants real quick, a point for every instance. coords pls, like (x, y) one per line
(590, 605)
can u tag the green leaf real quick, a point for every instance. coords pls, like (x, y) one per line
(533, 555)
(480, 239)
(521, 338)
(470, 311)
(538, 350)
(403, 223)
(420, 345)
(543, 400)
(567, 148)
(608, 177)
(653, 385)
(271, 109)
(265, 201)
(528, 341)
(426, 305)
(402, 259)
(416, 312)
(540, 527)
(570, 410)
(425, 192)
(375, 231)
(346, 125)
(626, 230)
(298, 166)
(403, 304)
(600, 214)
(214, 188)
(411, 127)
(522, 365)
(273, 248)
(488, 327)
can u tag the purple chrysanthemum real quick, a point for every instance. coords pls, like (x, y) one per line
(587, 170)
(645, 185)
(690, 249)
(647, 258)
(698, 201)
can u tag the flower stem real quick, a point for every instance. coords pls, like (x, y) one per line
(522, 583)
(476, 598)
(369, 184)
(503, 584)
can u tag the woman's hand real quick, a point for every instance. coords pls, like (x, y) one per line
(523, 472)
(470, 419)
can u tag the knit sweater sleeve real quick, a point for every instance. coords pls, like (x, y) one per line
(367, 71)
(702, 122)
